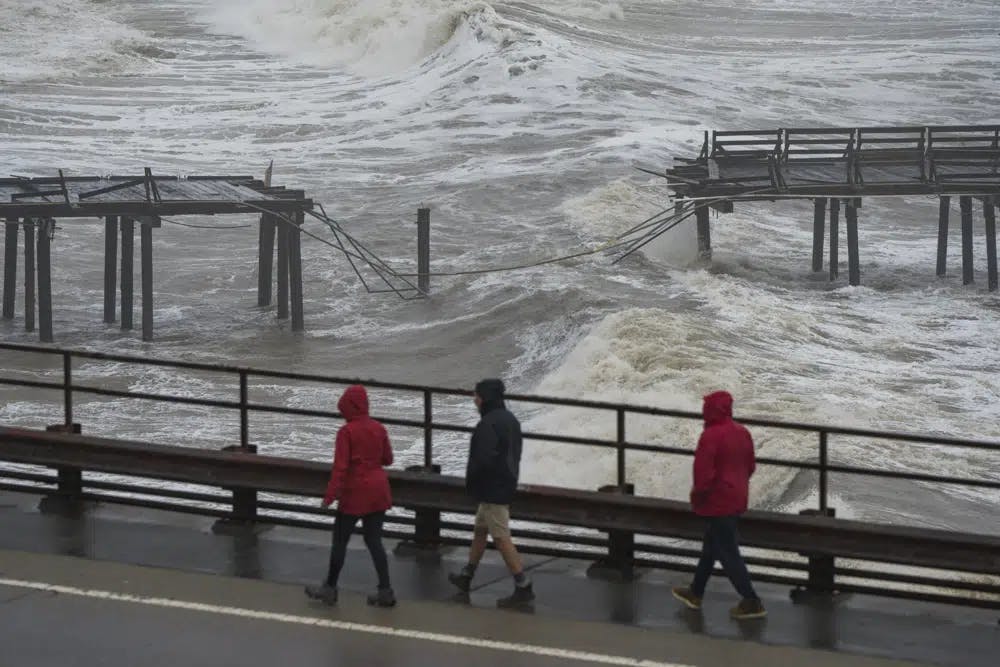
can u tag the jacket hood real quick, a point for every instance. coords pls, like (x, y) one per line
(354, 402)
(718, 407)
(491, 391)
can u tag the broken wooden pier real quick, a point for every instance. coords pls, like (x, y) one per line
(127, 202)
(837, 168)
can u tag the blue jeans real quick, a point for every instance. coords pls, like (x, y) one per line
(722, 543)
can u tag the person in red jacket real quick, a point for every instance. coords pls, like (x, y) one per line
(723, 464)
(359, 483)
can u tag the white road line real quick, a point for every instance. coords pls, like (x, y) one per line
(440, 638)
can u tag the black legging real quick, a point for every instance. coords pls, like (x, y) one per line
(343, 527)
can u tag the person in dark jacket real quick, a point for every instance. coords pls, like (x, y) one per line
(360, 486)
(723, 464)
(491, 479)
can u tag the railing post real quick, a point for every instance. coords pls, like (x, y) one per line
(244, 514)
(69, 481)
(427, 524)
(619, 564)
(822, 569)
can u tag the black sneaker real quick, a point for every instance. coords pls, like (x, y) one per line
(461, 581)
(324, 593)
(522, 595)
(384, 597)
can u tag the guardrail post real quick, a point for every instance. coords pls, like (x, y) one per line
(427, 524)
(69, 484)
(822, 570)
(619, 564)
(244, 513)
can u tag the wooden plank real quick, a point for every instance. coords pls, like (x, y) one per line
(853, 259)
(110, 267)
(834, 239)
(265, 260)
(146, 236)
(295, 272)
(282, 270)
(819, 228)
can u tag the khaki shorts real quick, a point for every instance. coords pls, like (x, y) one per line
(495, 519)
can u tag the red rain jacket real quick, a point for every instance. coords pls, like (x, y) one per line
(723, 462)
(357, 479)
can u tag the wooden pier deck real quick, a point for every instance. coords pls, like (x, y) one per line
(125, 202)
(838, 168)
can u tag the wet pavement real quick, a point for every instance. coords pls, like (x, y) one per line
(255, 613)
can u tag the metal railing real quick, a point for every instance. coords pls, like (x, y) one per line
(822, 465)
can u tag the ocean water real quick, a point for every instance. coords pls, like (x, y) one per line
(520, 125)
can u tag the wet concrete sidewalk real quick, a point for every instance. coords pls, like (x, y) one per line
(612, 623)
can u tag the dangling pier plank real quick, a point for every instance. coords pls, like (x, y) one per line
(265, 260)
(704, 233)
(282, 270)
(295, 271)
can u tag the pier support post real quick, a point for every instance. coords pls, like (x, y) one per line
(295, 271)
(819, 220)
(424, 250)
(146, 238)
(29, 275)
(965, 203)
(834, 239)
(128, 269)
(991, 242)
(619, 564)
(704, 233)
(265, 262)
(853, 260)
(110, 266)
(944, 206)
(9, 268)
(283, 233)
(45, 281)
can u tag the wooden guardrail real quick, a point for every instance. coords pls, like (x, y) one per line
(622, 516)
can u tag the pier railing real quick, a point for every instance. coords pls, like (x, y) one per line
(619, 547)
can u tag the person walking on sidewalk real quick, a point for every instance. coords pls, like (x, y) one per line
(491, 479)
(359, 483)
(723, 464)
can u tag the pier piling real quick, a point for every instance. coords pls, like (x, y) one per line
(283, 234)
(819, 219)
(265, 261)
(128, 269)
(424, 250)
(295, 271)
(9, 268)
(29, 275)
(965, 203)
(989, 213)
(853, 260)
(834, 238)
(704, 233)
(45, 280)
(146, 242)
(110, 266)
(944, 206)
